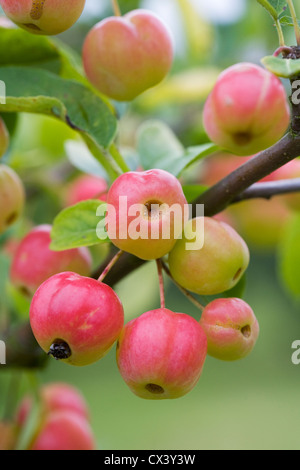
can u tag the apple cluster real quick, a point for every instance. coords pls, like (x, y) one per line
(62, 421)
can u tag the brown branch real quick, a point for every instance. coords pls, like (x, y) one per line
(269, 189)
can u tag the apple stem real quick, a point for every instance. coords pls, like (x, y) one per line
(116, 8)
(185, 292)
(110, 265)
(295, 20)
(161, 283)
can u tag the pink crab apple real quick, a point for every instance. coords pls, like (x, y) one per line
(34, 262)
(161, 354)
(247, 111)
(146, 213)
(43, 17)
(54, 397)
(124, 56)
(216, 265)
(64, 430)
(4, 138)
(76, 319)
(12, 197)
(86, 187)
(231, 329)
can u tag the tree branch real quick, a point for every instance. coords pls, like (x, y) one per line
(269, 189)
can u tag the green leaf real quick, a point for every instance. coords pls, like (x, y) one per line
(77, 226)
(287, 21)
(81, 158)
(39, 91)
(159, 147)
(193, 191)
(274, 7)
(289, 256)
(285, 68)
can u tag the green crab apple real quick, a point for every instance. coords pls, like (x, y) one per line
(4, 138)
(146, 212)
(64, 430)
(12, 197)
(76, 319)
(217, 265)
(124, 56)
(247, 111)
(161, 354)
(34, 262)
(48, 17)
(231, 329)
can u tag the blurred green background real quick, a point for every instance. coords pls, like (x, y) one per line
(252, 404)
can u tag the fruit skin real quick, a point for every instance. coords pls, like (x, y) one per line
(217, 266)
(4, 138)
(55, 397)
(34, 262)
(231, 329)
(83, 313)
(247, 111)
(125, 56)
(12, 197)
(161, 354)
(153, 186)
(43, 17)
(86, 187)
(64, 430)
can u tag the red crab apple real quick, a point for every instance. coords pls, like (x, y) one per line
(124, 56)
(34, 262)
(86, 187)
(4, 138)
(150, 218)
(76, 319)
(64, 430)
(12, 197)
(43, 17)
(55, 397)
(216, 265)
(161, 354)
(231, 329)
(247, 111)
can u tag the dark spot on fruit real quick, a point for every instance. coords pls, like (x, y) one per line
(237, 274)
(246, 331)
(153, 209)
(31, 26)
(11, 218)
(37, 9)
(60, 350)
(242, 138)
(155, 389)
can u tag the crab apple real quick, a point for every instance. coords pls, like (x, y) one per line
(214, 266)
(12, 197)
(43, 17)
(124, 56)
(231, 329)
(34, 262)
(247, 111)
(76, 319)
(161, 354)
(55, 397)
(261, 225)
(64, 430)
(146, 213)
(4, 138)
(86, 187)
